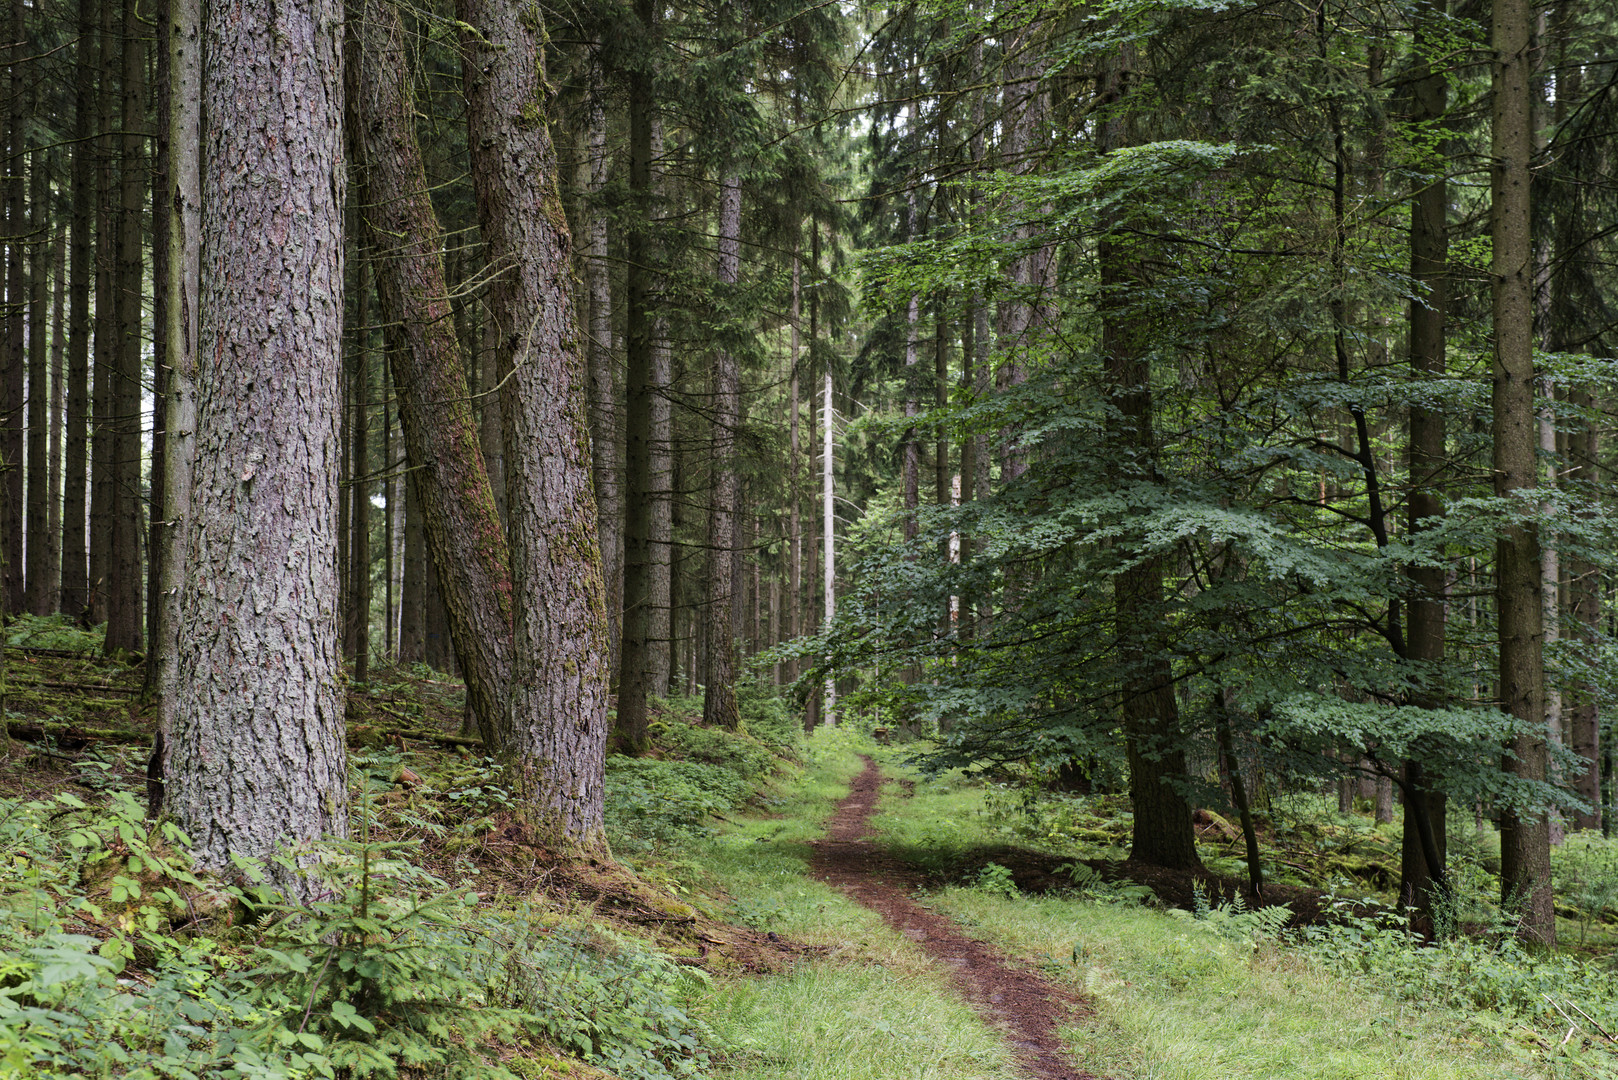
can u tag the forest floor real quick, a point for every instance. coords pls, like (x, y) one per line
(1029, 1010)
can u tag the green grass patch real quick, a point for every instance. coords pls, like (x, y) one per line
(1179, 1000)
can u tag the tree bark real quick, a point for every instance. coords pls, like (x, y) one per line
(1426, 629)
(37, 581)
(53, 496)
(719, 673)
(357, 630)
(1525, 877)
(125, 582)
(76, 425)
(459, 520)
(644, 654)
(257, 754)
(557, 735)
(605, 441)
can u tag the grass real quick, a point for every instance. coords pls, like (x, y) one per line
(1175, 1000)
(873, 1007)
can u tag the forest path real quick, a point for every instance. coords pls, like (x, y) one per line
(1027, 1008)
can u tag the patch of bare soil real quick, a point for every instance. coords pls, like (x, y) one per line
(1025, 1006)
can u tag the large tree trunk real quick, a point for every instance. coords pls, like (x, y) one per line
(103, 438)
(557, 735)
(1525, 872)
(719, 673)
(459, 520)
(125, 582)
(257, 758)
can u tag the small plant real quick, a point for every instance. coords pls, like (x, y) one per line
(996, 880)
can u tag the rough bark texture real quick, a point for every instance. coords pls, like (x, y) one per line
(719, 673)
(257, 751)
(11, 419)
(105, 357)
(459, 520)
(556, 742)
(1525, 877)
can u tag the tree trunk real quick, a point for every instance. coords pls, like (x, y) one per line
(257, 751)
(605, 441)
(1426, 630)
(37, 577)
(719, 673)
(556, 742)
(76, 425)
(125, 582)
(180, 39)
(53, 496)
(459, 520)
(413, 585)
(357, 630)
(1525, 877)
(644, 654)
(16, 305)
(1153, 738)
(104, 427)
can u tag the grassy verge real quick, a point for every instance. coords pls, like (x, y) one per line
(872, 1006)
(1181, 999)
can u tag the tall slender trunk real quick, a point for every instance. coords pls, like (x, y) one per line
(53, 496)
(413, 582)
(644, 653)
(605, 441)
(1421, 880)
(556, 742)
(794, 601)
(1525, 878)
(180, 38)
(37, 577)
(103, 438)
(454, 498)
(125, 584)
(357, 631)
(719, 673)
(1153, 739)
(76, 424)
(11, 420)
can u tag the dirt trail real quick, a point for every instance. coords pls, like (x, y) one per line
(1016, 1000)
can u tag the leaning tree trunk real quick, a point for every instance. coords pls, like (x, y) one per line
(459, 520)
(1525, 869)
(557, 734)
(257, 751)
(719, 673)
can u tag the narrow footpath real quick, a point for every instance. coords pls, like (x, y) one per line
(1014, 999)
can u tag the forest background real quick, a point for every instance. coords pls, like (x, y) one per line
(1217, 408)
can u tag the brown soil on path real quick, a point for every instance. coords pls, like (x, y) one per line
(1027, 1008)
